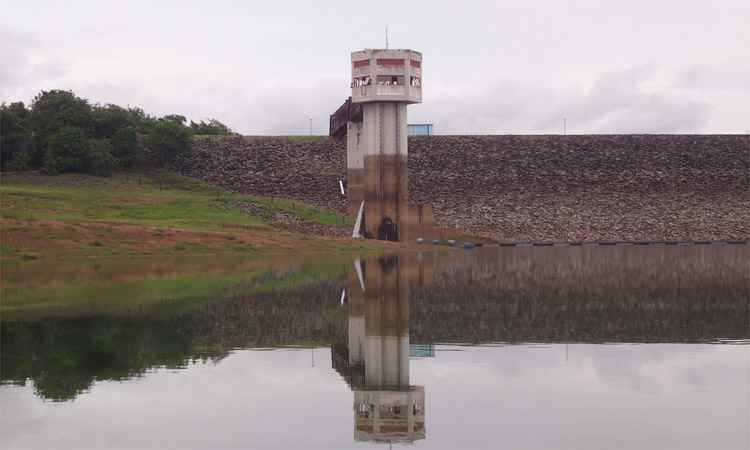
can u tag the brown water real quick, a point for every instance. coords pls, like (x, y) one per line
(570, 348)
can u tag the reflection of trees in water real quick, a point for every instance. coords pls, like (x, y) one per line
(583, 295)
(64, 357)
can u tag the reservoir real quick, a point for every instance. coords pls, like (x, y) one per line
(622, 347)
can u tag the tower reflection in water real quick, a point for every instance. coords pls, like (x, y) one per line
(375, 359)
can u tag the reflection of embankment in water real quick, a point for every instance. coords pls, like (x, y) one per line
(586, 294)
(598, 294)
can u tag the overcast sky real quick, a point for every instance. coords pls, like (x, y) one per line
(489, 66)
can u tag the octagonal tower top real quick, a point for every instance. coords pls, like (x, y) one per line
(386, 75)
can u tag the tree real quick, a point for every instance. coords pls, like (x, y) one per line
(15, 135)
(175, 118)
(140, 120)
(213, 126)
(169, 140)
(67, 151)
(53, 110)
(126, 148)
(99, 160)
(62, 132)
(108, 119)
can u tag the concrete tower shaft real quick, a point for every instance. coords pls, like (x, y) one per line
(384, 82)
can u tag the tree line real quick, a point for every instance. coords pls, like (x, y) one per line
(61, 132)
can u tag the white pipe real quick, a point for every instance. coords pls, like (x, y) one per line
(358, 224)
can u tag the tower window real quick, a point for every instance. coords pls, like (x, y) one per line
(391, 80)
(361, 81)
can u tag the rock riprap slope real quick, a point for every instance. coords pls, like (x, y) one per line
(588, 187)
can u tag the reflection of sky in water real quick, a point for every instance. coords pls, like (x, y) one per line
(523, 396)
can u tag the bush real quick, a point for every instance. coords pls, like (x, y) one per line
(213, 127)
(126, 148)
(108, 119)
(51, 111)
(66, 151)
(15, 135)
(170, 140)
(177, 118)
(100, 160)
(140, 120)
(21, 161)
(61, 132)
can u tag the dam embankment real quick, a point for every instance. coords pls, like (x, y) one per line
(522, 187)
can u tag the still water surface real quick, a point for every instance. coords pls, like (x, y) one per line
(533, 348)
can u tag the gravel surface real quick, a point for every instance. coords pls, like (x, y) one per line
(589, 187)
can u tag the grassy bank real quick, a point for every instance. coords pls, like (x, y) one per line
(135, 287)
(145, 215)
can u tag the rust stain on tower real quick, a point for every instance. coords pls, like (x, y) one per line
(374, 120)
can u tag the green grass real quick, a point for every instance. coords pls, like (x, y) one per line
(303, 211)
(164, 200)
(82, 215)
(303, 138)
(173, 202)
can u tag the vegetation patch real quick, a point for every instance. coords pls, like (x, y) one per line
(61, 133)
(149, 214)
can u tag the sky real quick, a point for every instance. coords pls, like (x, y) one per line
(490, 67)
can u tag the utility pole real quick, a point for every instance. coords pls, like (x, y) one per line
(565, 126)
(386, 38)
(310, 126)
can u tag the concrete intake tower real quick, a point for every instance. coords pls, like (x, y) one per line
(384, 82)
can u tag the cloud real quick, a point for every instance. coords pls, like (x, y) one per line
(24, 65)
(709, 78)
(275, 87)
(14, 56)
(624, 101)
(271, 107)
(285, 107)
